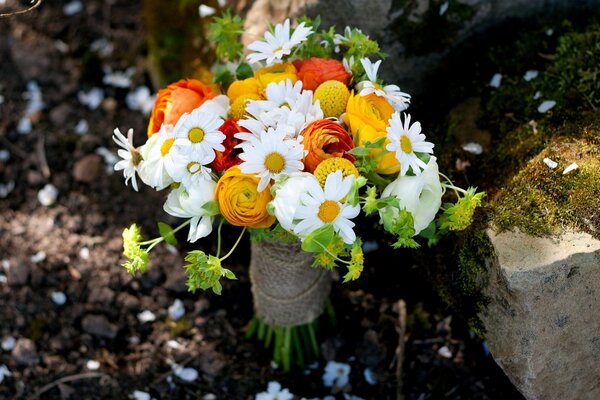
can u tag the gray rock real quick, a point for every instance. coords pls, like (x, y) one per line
(101, 295)
(24, 354)
(98, 325)
(542, 323)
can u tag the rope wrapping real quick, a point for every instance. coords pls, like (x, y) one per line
(287, 291)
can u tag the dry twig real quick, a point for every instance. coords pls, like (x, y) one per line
(401, 329)
(35, 4)
(71, 378)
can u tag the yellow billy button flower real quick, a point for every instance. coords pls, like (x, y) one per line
(333, 164)
(238, 107)
(333, 96)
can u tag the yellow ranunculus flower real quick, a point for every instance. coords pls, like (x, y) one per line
(367, 119)
(246, 87)
(240, 202)
(276, 73)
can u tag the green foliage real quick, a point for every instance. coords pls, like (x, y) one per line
(458, 216)
(316, 45)
(166, 232)
(132, 249)
(225, 31)
(401, 225)
(274, 234)
(354, 43)
(205, 271)
(357, 260)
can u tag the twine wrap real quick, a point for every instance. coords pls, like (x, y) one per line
(287, 291)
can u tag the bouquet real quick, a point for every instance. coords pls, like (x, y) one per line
(294, 138)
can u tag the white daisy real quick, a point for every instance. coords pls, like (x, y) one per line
(398, 99)
(269, 154)
(184, 203)
(199, 131)
(405, 140)
(321, 206)
(158, 158)
(218, 105)
(131, 158)
(278, 44)
(190, 167)
(348, 63)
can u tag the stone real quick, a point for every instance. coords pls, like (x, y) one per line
(24, 354)
(542, 320)
(98, 325)
(101, 295)
(19, 274)
(88, 168)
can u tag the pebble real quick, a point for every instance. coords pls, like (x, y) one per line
(3, 278)
(444, 8)
(4, 155)
(84, 253)
(103, 47)
(496, 80)
(88, 168)
(173, 344)
(18, 275)
(82, 127)
(38, 257)
(209, 396)
(72, 8)
(206, 11)
(185, 374)
(24, 354)
(570, 167)
(537, 95)
(4, 372)
(8, 343)
(546, 106)
(47, 195)
(550, 163)
(370, 377)
(146, 316)
(139, 395)
(59, 298)
(5, 264)
(6, 188)
(118, 79)
(473, 148)
(92, 98)
(140, 100)
(445, 352)
(98, 325)
(92, 365)
(176, 310)
(24, 126)
(531, 74)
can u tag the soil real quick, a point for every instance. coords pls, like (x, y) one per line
(80, 236)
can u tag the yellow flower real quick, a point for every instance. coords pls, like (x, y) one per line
(332, 96)
(240, 202)
(367, 119)
(238, 107)
(276, 73)
(333, 164)
(247, 87)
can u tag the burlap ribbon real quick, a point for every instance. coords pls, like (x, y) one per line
(287, 291)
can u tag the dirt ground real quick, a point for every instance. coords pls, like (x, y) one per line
(74, 246)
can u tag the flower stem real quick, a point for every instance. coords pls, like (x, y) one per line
(153, 242)
(219, 238)
(234, 246)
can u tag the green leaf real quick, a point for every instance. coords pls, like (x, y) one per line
(360, 151)
(223, 75)
(430, 233)
(319, 238)
(212, 207)
(205, 271)
(166, 232)
(229, 274)
(244, 71)
(378, 144)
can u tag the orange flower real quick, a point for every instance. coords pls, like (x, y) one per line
(324, 139)
(367, 119)
(240, 202)
(229, 157)
(314, 71)
(177, 99)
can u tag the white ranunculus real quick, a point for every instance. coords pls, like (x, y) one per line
(185, 203)
(157, 154)
(420, 195)
(287, 198)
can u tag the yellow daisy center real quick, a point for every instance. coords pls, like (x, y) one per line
(333, 96)
(405, 144)
(333, 164)
(328, 211)
(196, 135)
(274, 162)
(166, 146)
(238, 107)
(377, 86)
(194, 167)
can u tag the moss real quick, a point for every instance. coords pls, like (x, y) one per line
(433, 32)
(540, 200)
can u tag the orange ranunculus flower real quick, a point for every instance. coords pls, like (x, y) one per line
(240, 202)
(324, 139)
(367, 118)
(314, 71)
(229, 157)
(276, 73)
(177, 99)
(249, 86)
